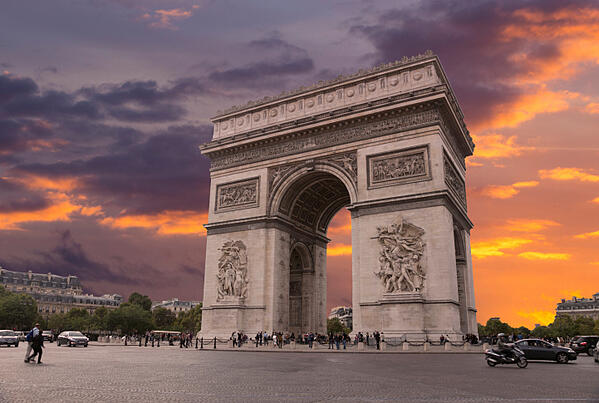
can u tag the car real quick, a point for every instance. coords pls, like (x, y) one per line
(22, 336)
(9, 338)
(48, 335)
(72, 338)
(537, 349)
(584, 344)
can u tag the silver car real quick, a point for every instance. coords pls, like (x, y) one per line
(72, 338)
(9, 338)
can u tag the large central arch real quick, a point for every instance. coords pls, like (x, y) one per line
(388, 144)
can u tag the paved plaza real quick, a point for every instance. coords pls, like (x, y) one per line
(118, 373)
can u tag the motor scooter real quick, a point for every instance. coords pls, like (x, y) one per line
(517, 357)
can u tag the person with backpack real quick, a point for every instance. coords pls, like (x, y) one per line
(37, 343)
(32, 333)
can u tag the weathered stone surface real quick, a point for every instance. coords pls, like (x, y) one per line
(389, 146)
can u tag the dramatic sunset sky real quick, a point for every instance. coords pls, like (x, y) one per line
(104, 102)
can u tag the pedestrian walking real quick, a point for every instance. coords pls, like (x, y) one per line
(29, 338)
(37, 344)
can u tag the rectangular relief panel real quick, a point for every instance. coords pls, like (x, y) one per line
(454, 181)
(238, 195)
(398, 167)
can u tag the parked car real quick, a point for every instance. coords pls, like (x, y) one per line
(48, 335)
(536, 349)
(72, 338)
(22, 336)
(596, 355)
(9, 338)
(584, 344)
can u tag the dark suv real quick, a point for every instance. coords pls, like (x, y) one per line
(584, 344)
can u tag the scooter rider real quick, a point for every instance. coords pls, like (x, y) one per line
(503, 347)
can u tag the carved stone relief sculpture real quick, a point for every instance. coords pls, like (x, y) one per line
(401, 249)
(232, 271)
(397, 167)
(236, 195)
(454, 181)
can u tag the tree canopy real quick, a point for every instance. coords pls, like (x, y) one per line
(142, 300)
(17, 311)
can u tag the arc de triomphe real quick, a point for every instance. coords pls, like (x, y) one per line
(389, 144)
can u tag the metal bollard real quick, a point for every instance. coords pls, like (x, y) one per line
(140, 342)
(202, 343)
(215, 343)
(196, 342)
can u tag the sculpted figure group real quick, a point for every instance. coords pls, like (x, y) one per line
(400, 260)
(232, 270)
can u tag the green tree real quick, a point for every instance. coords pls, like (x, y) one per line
(18, 311)
(99, 318)
(163, 318)
(78, 319)
(190, 321)
(495, 326)
(562, 326)
(584, 325)
(57, 322)
(334, 325)
(540, 332)
(142, 300)
(524, 331)
(130, 319)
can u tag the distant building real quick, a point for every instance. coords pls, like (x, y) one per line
(578, 307)
(344, 314)
(55, 294)
(175, 305)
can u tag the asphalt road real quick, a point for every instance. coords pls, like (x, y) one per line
(118, 373)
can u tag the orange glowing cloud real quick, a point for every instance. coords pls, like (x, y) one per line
(42, 183)
(494, 145)
(529, 225)
(60, 211)
(567, 174)
(170, 222)
(529, 105)
(164, 19)
(496, 247)
(573, 31)
(588, 235)
(507, 191)
(541, 317)
(339, 250)
(592, 108)
(595, 200)
(544, 256)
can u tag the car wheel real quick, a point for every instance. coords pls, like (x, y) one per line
(590, 352)
(562, 358)
(85, 345)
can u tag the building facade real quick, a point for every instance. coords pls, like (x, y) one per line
(176, 306)
(579, 307)
(344, 314)
(55, 294)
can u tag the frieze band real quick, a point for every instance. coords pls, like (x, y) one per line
(237, 195)
(362, 130)
(454, 181)
(398, 167)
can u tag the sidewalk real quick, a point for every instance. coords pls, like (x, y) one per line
(416, 348)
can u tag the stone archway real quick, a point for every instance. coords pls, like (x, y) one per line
(390, 145)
